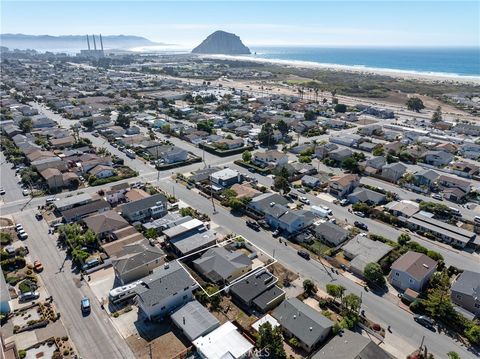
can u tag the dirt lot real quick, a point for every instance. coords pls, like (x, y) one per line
(160, 342)
(282, 273)
(230, 312)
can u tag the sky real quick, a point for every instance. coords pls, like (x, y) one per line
(187, 23)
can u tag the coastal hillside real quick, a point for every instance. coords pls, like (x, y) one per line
(221, 42)
(45, 42)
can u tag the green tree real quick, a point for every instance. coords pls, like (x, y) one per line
(281, 184)
(378, 151)
(350, 164)
(453, 355)
(435, 255)
(438, 303)
(79, 257)
(352, 302)
(310, 115)
(266, 135)
(373, 274)
(340, 108)
(151, 233)
(335, 290)
(246, 156)
(271, 339)
(282, 127)
(309, 287)
(123, 121)
(403, 239)
(415, 104)
(437, 115)
(88, 123)
(206, 125)
(473, 334)
(25, 124)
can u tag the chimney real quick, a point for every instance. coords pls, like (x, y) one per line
(88, 43)
(94, 43)
(101, 42)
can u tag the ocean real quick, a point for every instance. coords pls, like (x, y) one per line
(441, 61)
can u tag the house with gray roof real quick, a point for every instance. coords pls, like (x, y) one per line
(366, 195)
(299, 320)
(193, 242)
(438, 158)
(331, 233)
(150, 207)
(412, 270)
(426, 177)
(221, 266)
(362, 250)
(169, 287)
(194, 320)
(465, 291)
(350, 345)
(393, 171)
(136, 261)
(258, 291)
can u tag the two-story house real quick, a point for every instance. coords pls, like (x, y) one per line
(270, 158)
(169, 287)
(412, 270)
(150, 207)
(341, 185)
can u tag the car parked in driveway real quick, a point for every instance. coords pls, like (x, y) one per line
(2, 191)
(28, 296)
(425, 321)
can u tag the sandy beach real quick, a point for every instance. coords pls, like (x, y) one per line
(410, 75)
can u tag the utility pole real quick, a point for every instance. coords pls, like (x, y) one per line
(211, 196)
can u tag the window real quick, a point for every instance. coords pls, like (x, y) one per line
(410, 280)
(185, 297)
(162, 308)
(397, 274)
(459, 296)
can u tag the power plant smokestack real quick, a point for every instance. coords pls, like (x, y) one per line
(94, 43)
(88, 43)
(101, 42)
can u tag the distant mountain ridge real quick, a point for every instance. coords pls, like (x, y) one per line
(45, 42)
(221, 42)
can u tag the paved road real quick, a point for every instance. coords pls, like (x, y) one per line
(9, 182)
(93, 335)
(460, 259)
(378, 309)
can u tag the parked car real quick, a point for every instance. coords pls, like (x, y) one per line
(361, 225)
(2, 191)
(25, 192)
(293, 195)
(304, 200)
(344, 202)
(91, 263)
(304, 254)
(276, 233)
(327, 209)
(85, 304)
(23, 235)
(28, 296)
(253, 225)
(437, 196)
(18, 227)
(425, 321)
(301, 190)
(37, 266)
(358, 213)
(38, 216)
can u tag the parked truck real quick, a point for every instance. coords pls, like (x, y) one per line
(319, 211)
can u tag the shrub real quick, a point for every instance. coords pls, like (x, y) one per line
(294, 342)
(22, 353)
(417, 306)
(5, 238)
